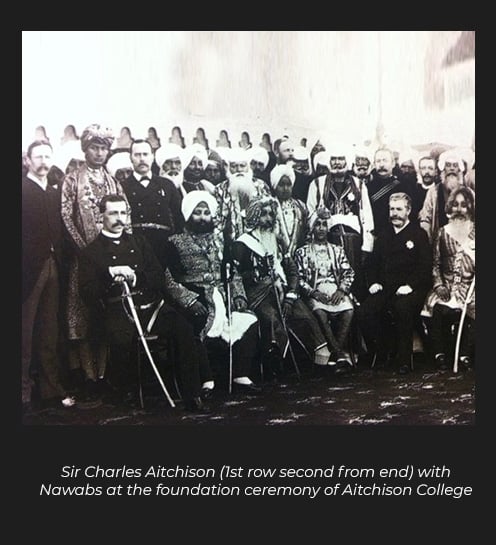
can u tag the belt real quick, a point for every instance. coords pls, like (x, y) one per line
(201, 278)
(151, 226)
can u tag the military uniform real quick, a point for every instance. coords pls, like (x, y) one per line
(104, 297)
(155, 210)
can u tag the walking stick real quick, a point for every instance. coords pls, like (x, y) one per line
(460, 325)
(229, 320)
(281, 315)
(134, 313)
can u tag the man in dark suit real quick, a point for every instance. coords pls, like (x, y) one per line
(383, 183)
(400, 276)
(41, 249)
(115, 256)
(155, 202)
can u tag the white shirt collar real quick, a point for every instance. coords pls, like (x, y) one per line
(42, 183)
(138, 177)
(110, 235)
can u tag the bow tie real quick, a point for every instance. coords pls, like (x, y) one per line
(144, 179)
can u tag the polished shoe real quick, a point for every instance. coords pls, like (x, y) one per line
(342, 367)
(441, 362)
(206, 393)
(251, 388)
(465, 362)
(195, 405)
(404, 370)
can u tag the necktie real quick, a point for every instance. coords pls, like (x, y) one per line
(144, 181)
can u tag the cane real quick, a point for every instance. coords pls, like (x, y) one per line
(281, 315)
(134, 313)
(229, 320)
(460, 325)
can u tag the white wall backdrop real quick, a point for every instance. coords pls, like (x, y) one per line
(314, 84)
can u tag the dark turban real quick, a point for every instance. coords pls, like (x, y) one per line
(255, 209)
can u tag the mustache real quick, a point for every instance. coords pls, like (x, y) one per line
(117, 223)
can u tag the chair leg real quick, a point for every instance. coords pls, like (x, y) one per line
(374, 360)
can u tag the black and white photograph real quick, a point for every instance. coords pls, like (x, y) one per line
(248, 228)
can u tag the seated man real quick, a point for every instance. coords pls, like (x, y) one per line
(326, 278)
(196, 260)
(116, 256)
(453, 273)
(268, 274)
(400, 277)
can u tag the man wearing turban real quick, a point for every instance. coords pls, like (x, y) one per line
(351, 221)
(269, 274)
(194, 160)
(82, 191)
(325, 278)
(113, 257)
(197, 262)
(234, 194)
(433, 214)
(292, 214)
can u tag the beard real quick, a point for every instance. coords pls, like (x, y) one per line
(427, 179)
(200, 227)
(176, 179)
(452, 181)
(241, 187)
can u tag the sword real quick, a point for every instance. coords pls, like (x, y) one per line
(460, 325)
(134, 313)
(229, 319)
(281, 315)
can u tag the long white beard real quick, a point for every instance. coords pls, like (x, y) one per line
(176, 179)
(241, 187)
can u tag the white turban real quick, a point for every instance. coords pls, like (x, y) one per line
(195, 150)
(454, 157)
(278, 172)
(340, 150)
(301, 154)
(321, 158)
(468, 155)
(237, 155)
(192, 199)
(121, 159)
(362, 151)
(259, 155)
(167, 152)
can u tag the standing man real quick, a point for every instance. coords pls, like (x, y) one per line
(82, 191)
(292, 213)
(154, 201)
(399, 279)
(382, 185)
(301, 166)
(169, 160)
(195, 159)
(41, 247)
(433, 214)
(235, 194)
(351, 223)
(428, 177)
